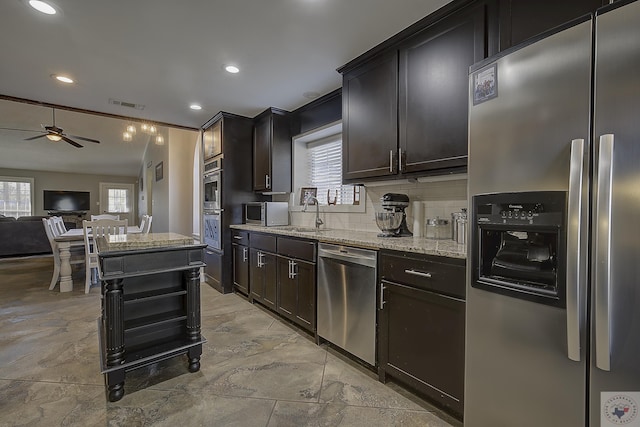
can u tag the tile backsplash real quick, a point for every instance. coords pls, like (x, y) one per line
(439, 199)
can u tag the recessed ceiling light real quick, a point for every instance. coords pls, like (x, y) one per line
(63, 79)
(195, 107)
(232, 69)
(43, 7)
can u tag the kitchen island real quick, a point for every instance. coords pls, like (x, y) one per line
(150, 303)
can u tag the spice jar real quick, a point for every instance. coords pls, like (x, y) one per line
(437, 228)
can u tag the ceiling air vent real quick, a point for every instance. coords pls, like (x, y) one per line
(126, 104)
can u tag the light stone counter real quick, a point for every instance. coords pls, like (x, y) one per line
(136, 241)
(366, 239)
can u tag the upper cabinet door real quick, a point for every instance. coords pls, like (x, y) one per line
(370, 108)
(213, 140)
(262, 154)
(434, 91)
(523, 19)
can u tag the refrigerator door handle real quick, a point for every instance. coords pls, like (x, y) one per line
(574, 266)
(602, 268)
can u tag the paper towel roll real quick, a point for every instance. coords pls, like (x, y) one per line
(418, 219)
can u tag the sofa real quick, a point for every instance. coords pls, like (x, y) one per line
(24, 236)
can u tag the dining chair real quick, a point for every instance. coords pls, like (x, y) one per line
(58, 223)
(76, 258)
(91, 230)
(104, 216)
(145, 224)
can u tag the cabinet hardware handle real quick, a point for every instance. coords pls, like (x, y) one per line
(267, 182)
(293, 269)
(260, 263)
(237, 237)
(382, 301)
(391, 161)
(400, 159)
(244, 254)
(418, 273)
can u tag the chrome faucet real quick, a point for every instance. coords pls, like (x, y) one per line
(308, 199)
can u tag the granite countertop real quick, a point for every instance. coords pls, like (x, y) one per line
(136, 241)
(366, 239)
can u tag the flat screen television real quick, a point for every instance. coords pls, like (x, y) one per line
(71, 201)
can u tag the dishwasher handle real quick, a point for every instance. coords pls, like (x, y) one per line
(346, 256)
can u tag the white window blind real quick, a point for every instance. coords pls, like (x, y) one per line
(118, 200)
(324, 163)
(16, 196)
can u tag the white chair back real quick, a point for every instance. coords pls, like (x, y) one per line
(145, 224)
(91, 230)
(58, 223)
(104, 216)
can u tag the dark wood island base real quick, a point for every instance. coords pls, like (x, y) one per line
(150, 303)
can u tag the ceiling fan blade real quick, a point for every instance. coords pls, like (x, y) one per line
(35, 137)
(85, 139)
(72, 142)
(21, 130)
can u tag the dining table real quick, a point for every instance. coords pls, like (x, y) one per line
(64, 242)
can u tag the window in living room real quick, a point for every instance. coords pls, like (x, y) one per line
(16, 196)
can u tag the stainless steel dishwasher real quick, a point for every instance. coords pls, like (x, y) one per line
(347, 299)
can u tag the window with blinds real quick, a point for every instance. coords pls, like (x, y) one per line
(324, 163)
(16, 196)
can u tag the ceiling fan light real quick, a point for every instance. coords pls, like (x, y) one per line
(53, 137)
(43, 7)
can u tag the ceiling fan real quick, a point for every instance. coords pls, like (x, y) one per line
(54, 133)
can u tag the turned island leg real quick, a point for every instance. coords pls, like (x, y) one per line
(192, 279)
(114, 337)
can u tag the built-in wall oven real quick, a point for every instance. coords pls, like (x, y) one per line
(212, 202)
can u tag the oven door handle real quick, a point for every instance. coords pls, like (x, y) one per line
(575, 276)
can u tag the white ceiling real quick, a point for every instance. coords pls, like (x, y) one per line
(167, 54)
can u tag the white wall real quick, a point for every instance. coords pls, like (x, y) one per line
(44, 180)
(171, 197)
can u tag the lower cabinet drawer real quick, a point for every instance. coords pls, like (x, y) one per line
(436, 274)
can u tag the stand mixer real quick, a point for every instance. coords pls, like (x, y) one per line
(393, 222)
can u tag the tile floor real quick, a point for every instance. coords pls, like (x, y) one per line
(257, 370)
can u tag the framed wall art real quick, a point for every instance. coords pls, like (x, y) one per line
(159, 171)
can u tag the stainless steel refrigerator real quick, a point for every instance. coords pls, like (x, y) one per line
(553, 278)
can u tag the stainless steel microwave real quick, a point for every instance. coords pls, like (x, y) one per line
(266, 213)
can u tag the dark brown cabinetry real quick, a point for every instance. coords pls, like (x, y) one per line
(212, 140)
(240, 261)
(370, 114)
(405, 108)
(297, 281)
(272, 151)
(434, 91)
(262, 269)
(231, 136)
(421, 332)
(523, 19)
